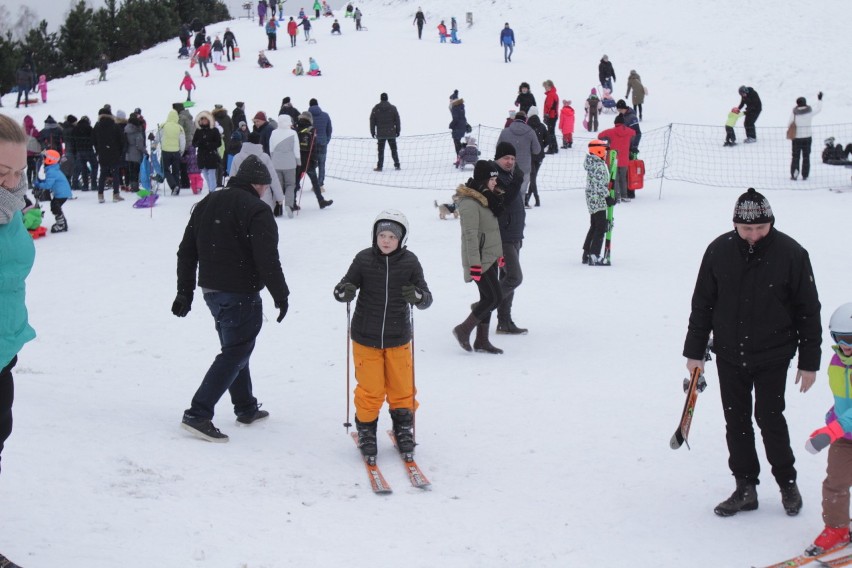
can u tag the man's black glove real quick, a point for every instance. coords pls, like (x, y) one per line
(610, 201)
(345, 292)
(282, 306)
(182, 304)
(819, 95)
(278, 210)
(412, 294)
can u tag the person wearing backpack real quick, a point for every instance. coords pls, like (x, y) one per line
(799, 126)
(593, 108)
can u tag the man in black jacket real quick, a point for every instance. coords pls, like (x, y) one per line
(232, 240)
(385, 127)
(751, 102)
(756, 294)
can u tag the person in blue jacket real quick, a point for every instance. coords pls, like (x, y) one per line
(507, 40)
(57, 184)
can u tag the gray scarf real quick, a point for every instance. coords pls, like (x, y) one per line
(12, 200)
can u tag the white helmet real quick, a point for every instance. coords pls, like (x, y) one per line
(395, 216)
(841, 320)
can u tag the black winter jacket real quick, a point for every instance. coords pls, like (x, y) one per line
(207, 140)
(381, 317)
(514, 216)
(81, 137)
(232, 240)
(761, 304)
(384, 121)
(109, 141)
(751, 100)
(525, 101)
(605, 71)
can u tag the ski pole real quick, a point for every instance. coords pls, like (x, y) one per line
(413, 383)
(348, 424)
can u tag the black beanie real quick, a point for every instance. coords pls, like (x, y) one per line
(484, 170)
(383, 96)
(504, 149)
(801, 101)
(752, 208)
(312, 103)
(285, 100)
(252, 170)
(621, 104)
(177, 106)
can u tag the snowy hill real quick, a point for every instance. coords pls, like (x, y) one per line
(554, 454)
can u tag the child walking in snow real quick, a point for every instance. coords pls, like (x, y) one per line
(597, 201)
(187, 84)
(730, 135)
(390, 279)
(566, 124)
(42, 87)
(837, 436)
(57, 184)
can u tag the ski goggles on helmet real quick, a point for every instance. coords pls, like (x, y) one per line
(842, 338)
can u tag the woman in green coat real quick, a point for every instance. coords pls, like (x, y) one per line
(479, 205)
(17, 253)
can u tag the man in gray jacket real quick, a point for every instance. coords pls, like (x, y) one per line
(523, 138)
(284, 150)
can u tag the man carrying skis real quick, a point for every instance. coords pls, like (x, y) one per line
(756, 293)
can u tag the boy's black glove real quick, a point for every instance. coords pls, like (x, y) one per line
(345, 292)
(182, 304)
(412, 294)
(610, 201)
(819, 95)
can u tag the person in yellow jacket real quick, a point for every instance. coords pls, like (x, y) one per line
(172, 145)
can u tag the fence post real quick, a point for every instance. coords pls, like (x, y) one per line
(665, 160)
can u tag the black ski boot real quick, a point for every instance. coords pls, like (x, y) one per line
(403, 429)
(791, 499)
(367, 438)
(744, 498)
(481, 343)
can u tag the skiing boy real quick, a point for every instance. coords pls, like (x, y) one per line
(597, 200)
(57, 184)
(390, 278)
(837, 436)
(730, 135)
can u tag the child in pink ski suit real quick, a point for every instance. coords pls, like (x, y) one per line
(187, 84)
(42, 87)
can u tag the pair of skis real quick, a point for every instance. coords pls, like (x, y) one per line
(694, 385)
(377, 481)
(804, 559)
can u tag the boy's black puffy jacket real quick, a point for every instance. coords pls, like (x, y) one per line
(761, 306)
(381, 317)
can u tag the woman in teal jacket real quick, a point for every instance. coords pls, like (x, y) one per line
(17, 253)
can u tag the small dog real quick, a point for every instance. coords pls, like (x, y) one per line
(447, 209)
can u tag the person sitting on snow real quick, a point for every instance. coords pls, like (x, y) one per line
(299, 70)
(263, 61)
(313, 67)
(335, 27)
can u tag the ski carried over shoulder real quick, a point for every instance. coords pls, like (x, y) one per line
(415, 475)
(377, 480)
(804, 559)
(694, 385)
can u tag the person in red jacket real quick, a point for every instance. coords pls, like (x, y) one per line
(566, 124)
(292, 29)
(187, 84)
(202, 56)
(619, 138)
(550, 114)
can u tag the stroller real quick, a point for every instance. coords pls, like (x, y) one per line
(151, 179)
(607, 101)
(183, 52)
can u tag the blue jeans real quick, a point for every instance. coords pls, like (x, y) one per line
(322, 152)
(209, 176)
(239, 317)
(508, 48)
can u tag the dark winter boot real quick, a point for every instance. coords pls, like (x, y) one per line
(744, 498)
(463, 330)
(791, 499)
(403, 429)
(508, 327)
(367, 437)
(6, 563)
(60, 226)
(481, 343)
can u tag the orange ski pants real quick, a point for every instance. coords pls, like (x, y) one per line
(382, 374)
